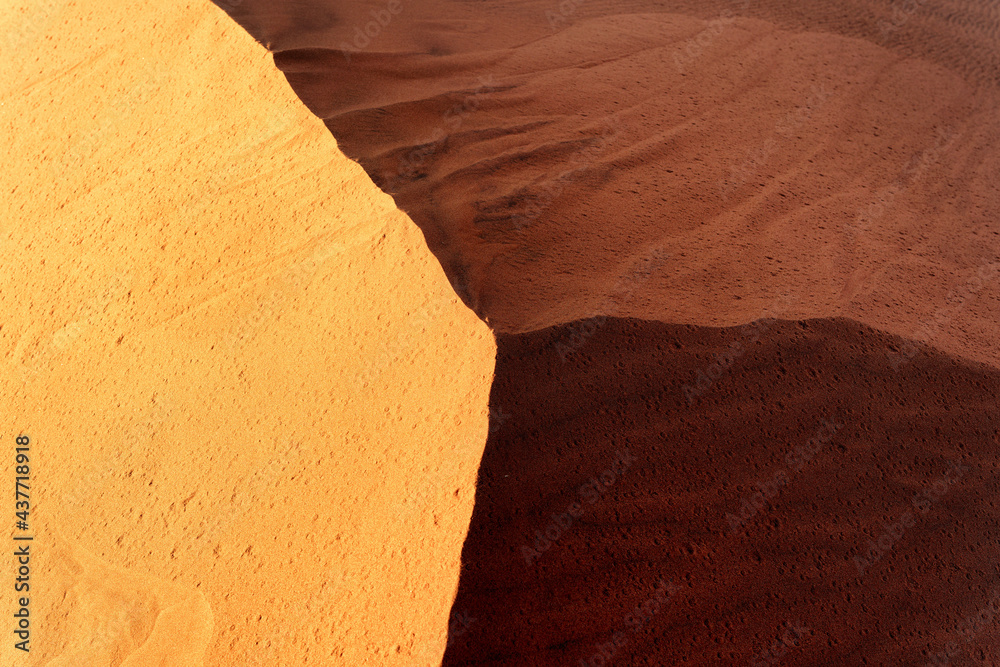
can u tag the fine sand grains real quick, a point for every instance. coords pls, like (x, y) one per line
(838, 157)
(256, 405)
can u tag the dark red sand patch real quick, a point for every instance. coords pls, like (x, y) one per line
(821, 500)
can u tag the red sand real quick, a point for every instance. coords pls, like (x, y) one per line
(842, 156)
(702, 164)
(761, 515)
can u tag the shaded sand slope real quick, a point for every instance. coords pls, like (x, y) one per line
(826, 488)
(250, 387)
(837, 159)
(960, 35)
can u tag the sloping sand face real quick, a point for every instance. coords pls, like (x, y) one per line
(256, 405)
(705, 164)
(782, 493)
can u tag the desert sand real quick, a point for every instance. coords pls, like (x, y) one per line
(837, 158)
(816, 503)
(630, 193)
(741, 261)
(256, 404)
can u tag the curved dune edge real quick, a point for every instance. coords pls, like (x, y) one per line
(639, 161)
(806, 493)
(243, 373)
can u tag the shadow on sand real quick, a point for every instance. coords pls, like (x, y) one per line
(797, 492)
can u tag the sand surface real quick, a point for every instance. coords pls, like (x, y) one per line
(823, 497)
(258, 402)
(837, 159)
(256, 405)
(659, 491)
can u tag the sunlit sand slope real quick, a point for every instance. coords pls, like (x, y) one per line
(250, 388)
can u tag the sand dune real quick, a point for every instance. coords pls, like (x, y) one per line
(259, 405)
(838, 156)
(815, 502)
(251, 388)
(653, 492)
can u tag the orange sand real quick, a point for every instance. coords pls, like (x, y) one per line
(258, 410)
(210, 331)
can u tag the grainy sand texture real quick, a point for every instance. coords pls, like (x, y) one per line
(835, 159)
(256, 405)
(811, 502)
(743, 259)
(735, 265)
